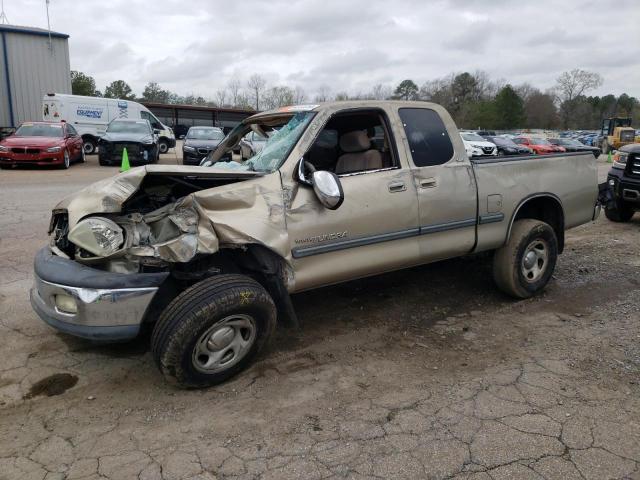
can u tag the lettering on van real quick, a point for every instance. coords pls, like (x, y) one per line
(122, 109)
(89, 112)
(321, 238)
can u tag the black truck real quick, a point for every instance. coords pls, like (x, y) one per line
(623, 183)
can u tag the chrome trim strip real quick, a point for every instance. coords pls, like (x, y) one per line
(443, 227)
(355, 242)
(382, 237)
(491, 218)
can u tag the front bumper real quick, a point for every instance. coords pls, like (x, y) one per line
(194, 158)
(624, 187)
(110, 306)
(137, 153)
(40, 159)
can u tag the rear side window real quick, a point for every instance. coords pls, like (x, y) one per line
(427, 136)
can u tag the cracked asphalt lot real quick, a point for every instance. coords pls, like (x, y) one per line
(425, 373)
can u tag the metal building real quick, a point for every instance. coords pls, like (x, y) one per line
(181, 117)
(33, 62)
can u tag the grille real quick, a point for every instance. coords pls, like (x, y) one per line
(203, 151)
(627, 135)
(132, 148)
(487, 149)
(633, 168)
(23, 150)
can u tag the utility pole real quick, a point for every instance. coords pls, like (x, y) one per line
(48, 26)
(3, 16)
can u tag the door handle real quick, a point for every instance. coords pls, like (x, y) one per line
(397, 187)
(428, 183)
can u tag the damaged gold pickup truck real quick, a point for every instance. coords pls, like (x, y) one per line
(208, 256)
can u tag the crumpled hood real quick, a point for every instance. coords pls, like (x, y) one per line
(249, 210)
(108, 195)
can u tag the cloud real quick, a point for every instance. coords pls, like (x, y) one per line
(198, 46)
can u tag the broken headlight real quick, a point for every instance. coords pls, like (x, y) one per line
(97, 235)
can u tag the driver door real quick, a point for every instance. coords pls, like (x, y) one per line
(373, 231)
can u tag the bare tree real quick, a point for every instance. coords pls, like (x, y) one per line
(380, 92)
(256, 84)
(234, 86)
(572, 85)
(323, 94)
(298, 95)
(221, 97)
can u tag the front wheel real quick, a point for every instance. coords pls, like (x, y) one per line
(620, 212)
(525, 264)
(213, 330)
(66, 160)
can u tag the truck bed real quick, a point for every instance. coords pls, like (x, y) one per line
(505, 183)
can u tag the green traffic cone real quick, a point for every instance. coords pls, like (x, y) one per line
(125, 161)
(609, 159)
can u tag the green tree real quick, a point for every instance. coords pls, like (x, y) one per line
(82, 84)
(154, 93)
(119, 89)
(509, 108)
(407, 90)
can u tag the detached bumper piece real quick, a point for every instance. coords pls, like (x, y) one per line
(90, 303)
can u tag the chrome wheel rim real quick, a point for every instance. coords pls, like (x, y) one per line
(224, 344)
(66, 159)
(164, 148)
(535, 260)
(87, 147)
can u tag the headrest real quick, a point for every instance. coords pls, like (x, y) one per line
(356, 141)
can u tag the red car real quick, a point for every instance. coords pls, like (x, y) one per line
(539, 145)
(42, 143)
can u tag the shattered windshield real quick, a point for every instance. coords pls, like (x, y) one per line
(276, 148)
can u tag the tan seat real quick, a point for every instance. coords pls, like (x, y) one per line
(358, 156)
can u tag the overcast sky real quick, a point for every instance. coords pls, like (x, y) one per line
(196, 46)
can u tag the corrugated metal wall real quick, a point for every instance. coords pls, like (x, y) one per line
(34, 70)
(5, 120)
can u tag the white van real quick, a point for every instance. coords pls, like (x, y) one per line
(91, 115)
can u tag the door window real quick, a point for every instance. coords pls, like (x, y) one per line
(427, 136)
(152, 120)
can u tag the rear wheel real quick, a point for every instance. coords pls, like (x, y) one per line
(619, 212)
(525, 264)
(89, 146)
(163, 146)
(213, 330)
(83, 157)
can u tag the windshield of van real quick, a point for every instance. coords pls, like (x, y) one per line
(205, 134)
(128, 127)
(38, 130)
(276, 148)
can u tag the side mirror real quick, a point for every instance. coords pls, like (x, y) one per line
(156, 131)
(328, 189)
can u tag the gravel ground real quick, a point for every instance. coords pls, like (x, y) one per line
(425, 373)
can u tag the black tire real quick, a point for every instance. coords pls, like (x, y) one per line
(89, 146)
(82, 158)
(163, 147)
(620, 212)
(511, 270)
(185, 323)
(67, 160)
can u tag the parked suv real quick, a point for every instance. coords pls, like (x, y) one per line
(137, 136)
(624, 184)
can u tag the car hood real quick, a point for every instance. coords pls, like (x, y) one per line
(31, 141)
(202, 143)
(479, 143)
(125, 137)
(236, 208)
(108, 195)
